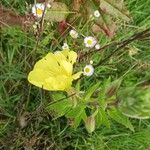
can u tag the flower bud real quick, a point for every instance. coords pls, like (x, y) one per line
(90, 124)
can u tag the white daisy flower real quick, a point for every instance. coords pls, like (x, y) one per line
(90, 41)
(74, 34)
(88, 70)
(97, 14)
(38, 9)
(97, 46)
(65, 46)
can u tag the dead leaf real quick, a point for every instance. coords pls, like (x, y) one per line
(24, 119)
(111, 11)
(115, 8)
(107, 24)
(62, 26)
(57, 13)
(10, 18)
(96, 29)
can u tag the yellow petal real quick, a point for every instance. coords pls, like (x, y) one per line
(77, 75)
(67, 67)
(59, 56)
(49, 63)
(60, 82)
(72, 57)
(38, 77)
(44, 80)
(65, 52)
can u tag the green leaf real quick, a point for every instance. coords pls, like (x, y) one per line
(60, 107)
(108, 92)
(102, 118)
(102, 93)
(113, 87)
(135, 102)
(58, 95)
(78, 87)
(57, 13)
(46, 39)
(81, 116)
(90, 91)
(120, 118)
(78, 114)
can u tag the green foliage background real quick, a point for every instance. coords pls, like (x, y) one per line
(23, 121)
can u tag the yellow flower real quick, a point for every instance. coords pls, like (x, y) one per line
(55, 71)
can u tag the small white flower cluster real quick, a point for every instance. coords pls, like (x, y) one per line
(89, 41)
(38, 9)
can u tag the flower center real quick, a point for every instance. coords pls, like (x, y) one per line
(87, 70)
(39, 11)
(89, 42)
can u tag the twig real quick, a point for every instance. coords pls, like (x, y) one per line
(102, 48)
(137, 36)
(43, 15)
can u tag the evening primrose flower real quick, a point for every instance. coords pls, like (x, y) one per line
(65, 46)
(97, 14)
(73, 34)
(54, 72)
(38, 9)
(90, 41)
(88, 70)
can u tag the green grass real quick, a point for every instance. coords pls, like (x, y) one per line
(22, 102)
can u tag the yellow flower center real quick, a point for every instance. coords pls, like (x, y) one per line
(89, 42)
(87, 70)
(39, 11)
